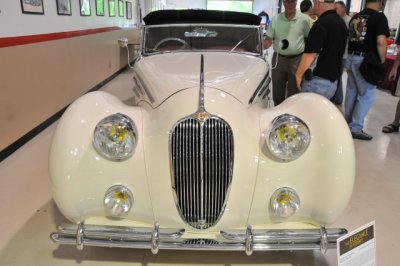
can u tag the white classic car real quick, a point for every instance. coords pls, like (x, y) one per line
(201, 161)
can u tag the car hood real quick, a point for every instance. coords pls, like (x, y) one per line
(162, 75)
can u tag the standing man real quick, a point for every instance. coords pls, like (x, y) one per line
(368, 31)
(287, 33)
(340, 7)
(327, 38)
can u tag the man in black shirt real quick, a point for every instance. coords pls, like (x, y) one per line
(368, 31)
(327, 39)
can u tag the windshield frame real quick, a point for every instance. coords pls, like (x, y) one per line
(194, 25)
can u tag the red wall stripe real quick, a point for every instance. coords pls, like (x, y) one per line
(22, 40)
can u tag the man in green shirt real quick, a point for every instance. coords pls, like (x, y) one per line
(287, 34)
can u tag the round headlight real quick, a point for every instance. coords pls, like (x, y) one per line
(118, 201)
(115, 137)
(284, 203)
(287, 137)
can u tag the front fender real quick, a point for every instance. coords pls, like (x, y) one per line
(80, 176)
(323, 176)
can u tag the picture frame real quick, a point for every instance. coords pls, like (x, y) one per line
(121, 12)
(128, 10)
(32, 7)
(99, 7)
(84, 7)
(111, 8)
(64, 7)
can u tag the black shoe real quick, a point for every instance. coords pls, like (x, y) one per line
(361, 135)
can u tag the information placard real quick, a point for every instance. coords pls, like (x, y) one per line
(358, 247)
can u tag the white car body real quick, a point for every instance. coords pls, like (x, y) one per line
(168, 88)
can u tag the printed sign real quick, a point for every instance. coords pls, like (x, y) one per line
(358, 248)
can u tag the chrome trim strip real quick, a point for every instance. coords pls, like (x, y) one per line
(260, 88)
(202, 116)
(146, 90)
(201, 92)
(155, 238)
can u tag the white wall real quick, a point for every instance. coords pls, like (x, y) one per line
(392, 11)
(194, 4)
(270, 7)
(15, 23)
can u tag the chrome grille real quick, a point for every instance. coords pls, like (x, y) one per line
(202, 163)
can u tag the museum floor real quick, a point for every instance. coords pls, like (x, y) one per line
(29, 215)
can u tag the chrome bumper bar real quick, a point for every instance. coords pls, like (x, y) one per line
(165, 238)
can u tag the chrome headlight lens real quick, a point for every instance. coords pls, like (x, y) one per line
(115, 137)
(287, 137)
(118, 201)
(284, 203)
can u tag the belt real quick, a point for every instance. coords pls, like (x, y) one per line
(290, 56)
(357, 53)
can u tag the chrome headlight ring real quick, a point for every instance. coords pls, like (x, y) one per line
(287, 137)
(115, 137)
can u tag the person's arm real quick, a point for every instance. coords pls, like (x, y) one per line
(393, 71)
(305, 63)
(270, 34)
(381, 43)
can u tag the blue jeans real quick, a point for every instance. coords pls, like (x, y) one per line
(320, 86)
(360, 94)
(338, 97)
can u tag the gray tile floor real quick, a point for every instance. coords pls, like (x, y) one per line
(28, 214)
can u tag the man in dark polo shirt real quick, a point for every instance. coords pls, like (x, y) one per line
(327, 39)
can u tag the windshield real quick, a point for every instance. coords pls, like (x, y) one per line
(231, 38)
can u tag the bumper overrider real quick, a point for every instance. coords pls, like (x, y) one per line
(156, 238)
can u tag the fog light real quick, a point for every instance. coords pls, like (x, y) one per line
(284, 203)
(118, 201)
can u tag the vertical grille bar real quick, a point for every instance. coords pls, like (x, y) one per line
(202, 167)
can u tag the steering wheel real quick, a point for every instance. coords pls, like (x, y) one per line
(183, 42)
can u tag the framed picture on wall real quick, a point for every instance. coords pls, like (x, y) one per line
(64, 7)
(32, 7)
(121, 8)
(111, 8)
(84, 6)
(100, 7)
(128, 10)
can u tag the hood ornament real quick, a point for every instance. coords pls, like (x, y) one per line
(201, 114)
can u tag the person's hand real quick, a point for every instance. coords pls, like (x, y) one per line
(298, 81)
(392, 74)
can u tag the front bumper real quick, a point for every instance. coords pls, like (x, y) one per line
(156, 238)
